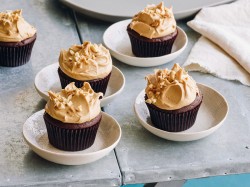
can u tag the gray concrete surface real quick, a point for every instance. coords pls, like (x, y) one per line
(18, 100)
(145, 158)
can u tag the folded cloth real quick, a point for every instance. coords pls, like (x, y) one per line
(225, 52)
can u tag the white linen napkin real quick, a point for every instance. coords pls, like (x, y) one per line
(225, 52)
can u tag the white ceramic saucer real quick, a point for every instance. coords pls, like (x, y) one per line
(117, 41)
(35, 134)
(48, 79)
(212, 113)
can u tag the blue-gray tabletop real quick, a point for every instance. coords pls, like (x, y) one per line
(140, 157)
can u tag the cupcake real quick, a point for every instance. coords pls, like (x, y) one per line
(72, 117)
(88, 62)
(173, 99)
(152, 31)
(17, 38)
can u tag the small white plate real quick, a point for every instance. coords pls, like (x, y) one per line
(211, 115)
(107, 137)
(48, 79)
(116, 39)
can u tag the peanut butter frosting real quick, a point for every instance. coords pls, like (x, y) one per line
(13, 28)
(171, 89)
(154, 21)
(74, 105)
(86, 62)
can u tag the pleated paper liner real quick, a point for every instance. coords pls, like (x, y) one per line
(16, 54)
(69, 137)
(173, 120)
(98, 85)
(144, 47)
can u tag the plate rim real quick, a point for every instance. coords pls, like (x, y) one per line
(144, 61)
(196, 9)
(183, 133)
(45, 97)
(111, 17)
(71, 153)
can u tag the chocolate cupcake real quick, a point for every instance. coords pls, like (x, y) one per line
(88, 62)
(152, 31)
(72, 117)
(173, 99)
(17, 38)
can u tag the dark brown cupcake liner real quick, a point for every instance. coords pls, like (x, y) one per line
(70, 138)
(16, 54)
(142, 47)
(98, 85)
(173, 120)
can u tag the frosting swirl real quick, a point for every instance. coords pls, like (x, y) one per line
(74, 105)
(154, 21)
(171, 89)
(86, 62)
(13, 28)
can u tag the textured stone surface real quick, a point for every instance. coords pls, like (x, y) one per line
(144, 157)
(18, 100)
